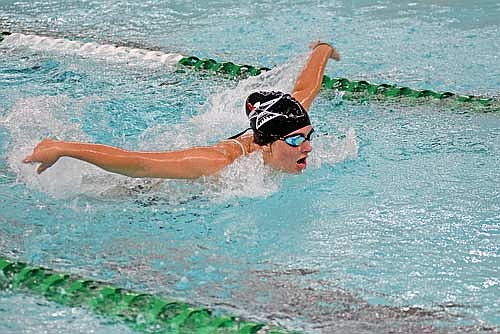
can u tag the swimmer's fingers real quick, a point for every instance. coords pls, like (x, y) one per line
(28, 160)
(334, 55)
(31, 159)
(42, 168)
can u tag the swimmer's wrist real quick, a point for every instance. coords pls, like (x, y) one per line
(63, 148)
(69, 149)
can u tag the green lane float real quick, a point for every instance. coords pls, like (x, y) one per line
(395, 91)
(143, 312)
(223, 67)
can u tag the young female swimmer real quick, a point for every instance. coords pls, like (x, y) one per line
(280, 124)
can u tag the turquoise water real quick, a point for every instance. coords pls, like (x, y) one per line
(395, 225)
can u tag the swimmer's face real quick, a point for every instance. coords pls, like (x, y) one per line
(282, 156)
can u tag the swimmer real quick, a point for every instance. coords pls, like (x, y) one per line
(279, 122)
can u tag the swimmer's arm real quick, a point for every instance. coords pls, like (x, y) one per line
(184, 164)
(310, 79)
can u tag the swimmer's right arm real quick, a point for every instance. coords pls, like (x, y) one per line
(182, 164)
(309, 82)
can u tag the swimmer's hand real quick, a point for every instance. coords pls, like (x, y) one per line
(334, 55)
(46, 152)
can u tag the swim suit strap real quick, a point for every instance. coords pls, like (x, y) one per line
(241, 145)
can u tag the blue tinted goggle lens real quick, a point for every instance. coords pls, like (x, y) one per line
(298, 139)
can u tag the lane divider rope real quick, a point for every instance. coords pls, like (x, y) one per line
(143, 312)
(352, 89)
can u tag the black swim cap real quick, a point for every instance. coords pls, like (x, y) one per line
(273, 115)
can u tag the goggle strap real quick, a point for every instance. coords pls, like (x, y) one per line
(239, 134)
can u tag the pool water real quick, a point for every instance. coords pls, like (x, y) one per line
(393, 227)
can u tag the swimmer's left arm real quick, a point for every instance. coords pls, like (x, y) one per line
(183, 164)
(310, 79)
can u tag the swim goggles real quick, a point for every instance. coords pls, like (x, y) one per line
(297, 139)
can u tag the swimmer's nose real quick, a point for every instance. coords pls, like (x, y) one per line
(306, 147)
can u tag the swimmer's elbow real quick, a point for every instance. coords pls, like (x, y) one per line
(305, 97)
(210, 161)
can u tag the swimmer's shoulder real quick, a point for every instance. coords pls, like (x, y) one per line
(239, 146)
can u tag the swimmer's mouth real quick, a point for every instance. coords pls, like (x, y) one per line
(302, 162)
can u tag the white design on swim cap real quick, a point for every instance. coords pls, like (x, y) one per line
(264, 116)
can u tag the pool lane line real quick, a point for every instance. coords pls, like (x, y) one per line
(351, 89)
(143, 312)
